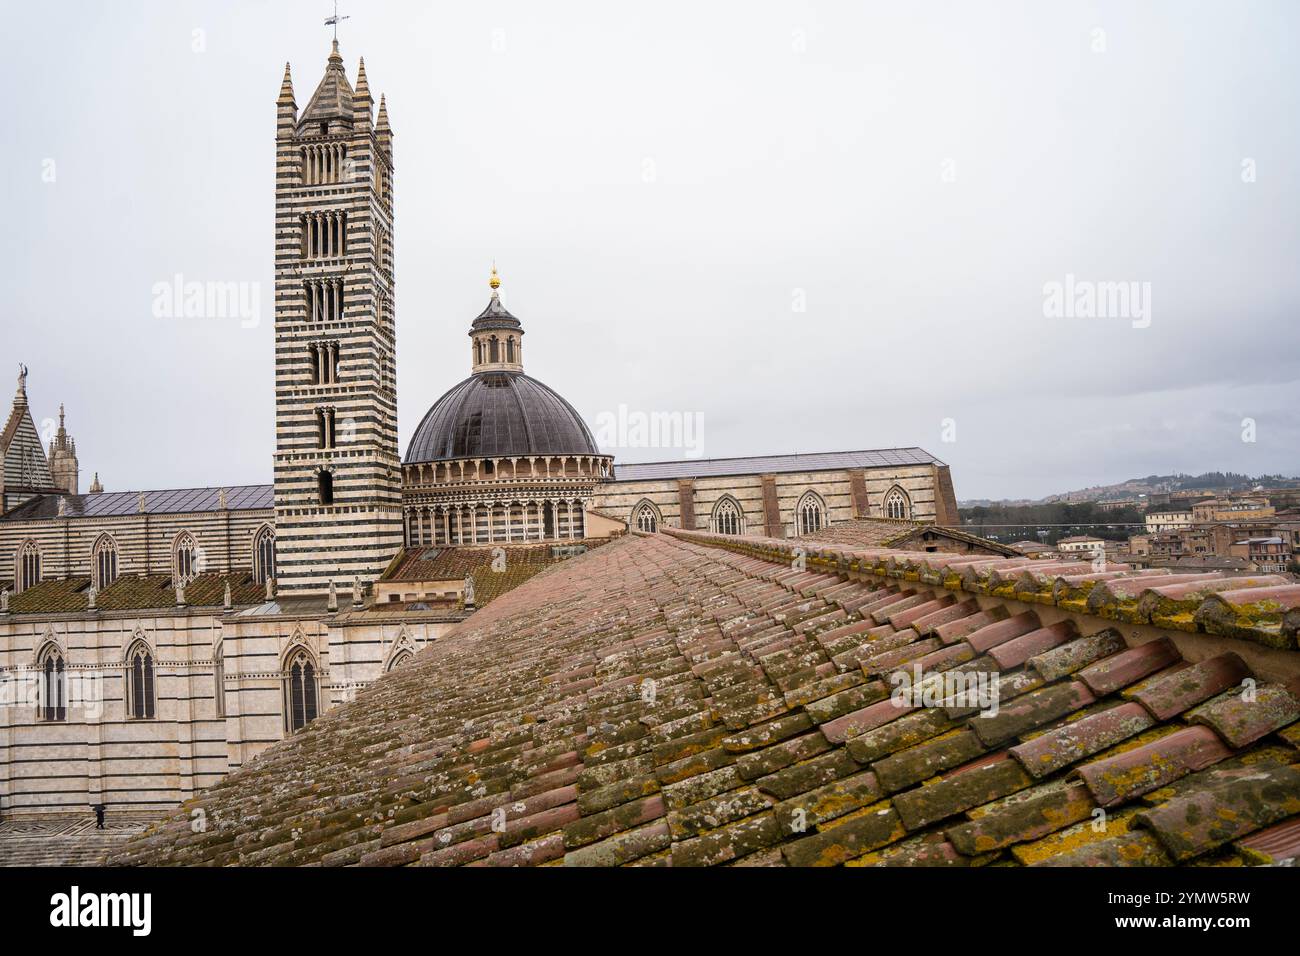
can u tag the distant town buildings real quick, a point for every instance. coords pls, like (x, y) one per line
(1172, 517)
(1263, 554)
(1081, 544)
(1255, 533)
(1232, 509)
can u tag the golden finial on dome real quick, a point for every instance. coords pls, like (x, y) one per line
(495, 281)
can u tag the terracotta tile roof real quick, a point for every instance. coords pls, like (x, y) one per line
(687, 699)
(135, 593)
(894, 533)
(455, 564)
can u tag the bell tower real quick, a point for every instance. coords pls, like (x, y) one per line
(338, 510)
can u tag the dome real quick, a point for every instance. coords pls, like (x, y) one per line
(500, 414)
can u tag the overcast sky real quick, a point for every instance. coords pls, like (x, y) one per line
(818, 226)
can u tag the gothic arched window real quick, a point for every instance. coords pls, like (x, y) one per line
(811, 513)
(53, 689)
(646, 518)
(139, 682)
(728, 518)
(185, 559)
(264, 555)
(105, 562)
(494, 349)
(27, 567)
(897, 504)
(300, 692)
(510, 349)
(401, 658)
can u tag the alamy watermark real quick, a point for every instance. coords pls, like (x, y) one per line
(182, 299)
(953, 688)
(128, 910)
(625, 428)
(81, 695)
(1084, 299)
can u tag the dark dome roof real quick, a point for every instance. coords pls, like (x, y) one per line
(500, 414)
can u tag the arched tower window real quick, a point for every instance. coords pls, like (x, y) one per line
(53, 704)
(104, 562)
(645, 517)
(728, 517)
(811, 513)
(185, 559)
(264, 555)
(325, 487)
(510, 349)
(139, 682)
(300, 695)
(27, 567)
(897, 504)
(494, 349)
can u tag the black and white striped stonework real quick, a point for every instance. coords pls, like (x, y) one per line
(337, 471)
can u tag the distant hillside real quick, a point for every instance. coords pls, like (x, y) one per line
(1049, 522)
(1210, 482)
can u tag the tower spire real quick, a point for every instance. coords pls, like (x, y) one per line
(361, 99)
(286, 88)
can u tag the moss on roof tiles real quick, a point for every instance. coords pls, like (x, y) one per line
(519, 564)
(52, 597)
(132, 592)
(660, 700)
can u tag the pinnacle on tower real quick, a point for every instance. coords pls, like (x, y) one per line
(363, 86)
(60, 439)
(286, 108)
(361, 98)
(383, 132)
(286, 89)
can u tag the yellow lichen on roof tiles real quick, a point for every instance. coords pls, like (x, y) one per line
(677, 699)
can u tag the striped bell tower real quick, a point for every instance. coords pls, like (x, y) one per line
(337, 470)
